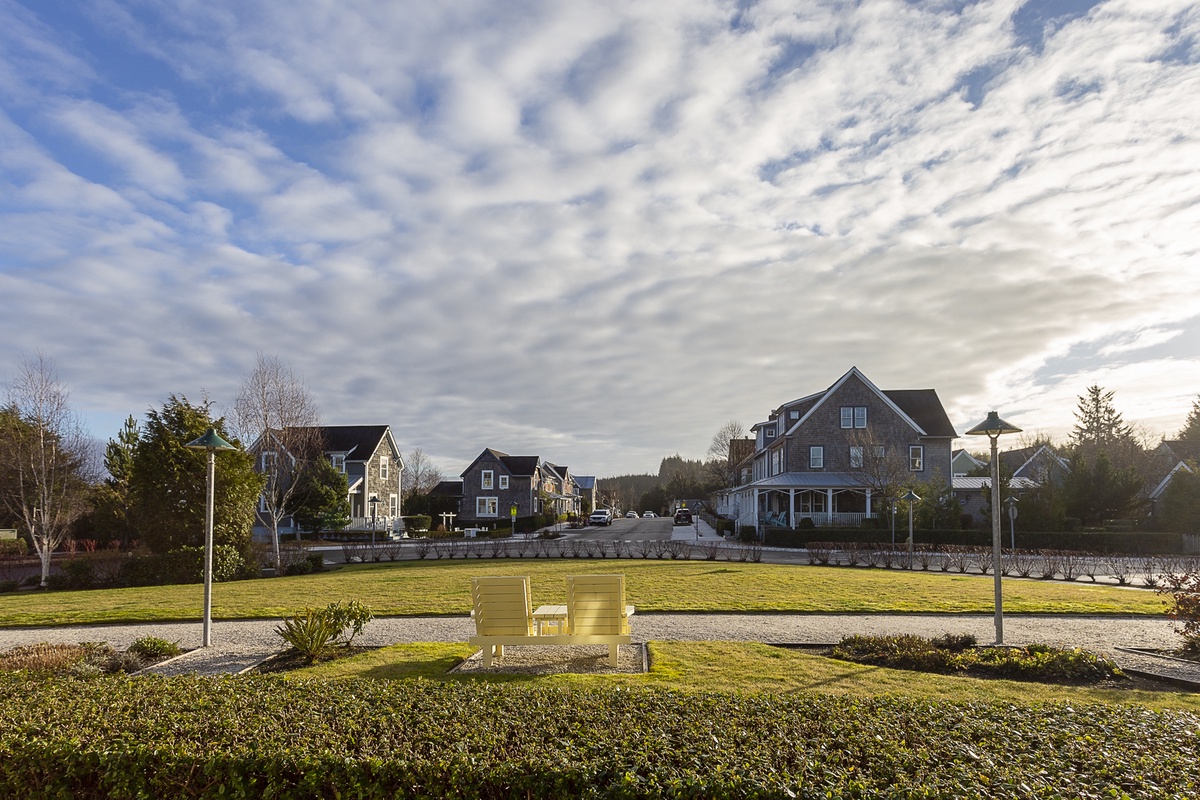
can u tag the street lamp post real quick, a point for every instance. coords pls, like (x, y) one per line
(210, 442)
(911, 497)
(1011, 502)
(374, 501)
(993, 427)
(512, 513)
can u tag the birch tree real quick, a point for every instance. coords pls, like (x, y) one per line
(274, 410)
(46, 455)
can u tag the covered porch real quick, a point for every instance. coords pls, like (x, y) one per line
(828, 499)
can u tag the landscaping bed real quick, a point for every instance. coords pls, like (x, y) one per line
(264, 736)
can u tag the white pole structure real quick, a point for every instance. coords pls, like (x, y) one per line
(911, 497)
(211, 442)
(993, 427)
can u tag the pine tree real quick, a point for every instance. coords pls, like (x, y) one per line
(1098, 424)
(1191, 428)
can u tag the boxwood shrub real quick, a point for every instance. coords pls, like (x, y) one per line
(272, 737)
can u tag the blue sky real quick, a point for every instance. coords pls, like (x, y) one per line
(598, 231)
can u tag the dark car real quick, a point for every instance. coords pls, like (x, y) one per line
(683, 517)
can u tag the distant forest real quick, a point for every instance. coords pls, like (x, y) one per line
(677, 478)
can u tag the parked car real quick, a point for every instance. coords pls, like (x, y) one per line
(683, 517)
(631, 515)
(601, 516)
(649, 515)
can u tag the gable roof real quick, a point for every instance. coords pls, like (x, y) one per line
(358, 442)
(523, 466)
(1017, 460)
(585, 481)
(920, 408)
(450, 488)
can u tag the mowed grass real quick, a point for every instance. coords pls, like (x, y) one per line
(417, 588)
(741, 667)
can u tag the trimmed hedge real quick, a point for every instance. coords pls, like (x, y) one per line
(1093, 542)
(266, 736)
(185, 565)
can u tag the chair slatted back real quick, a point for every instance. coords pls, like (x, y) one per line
(596, 605)
(502, 606)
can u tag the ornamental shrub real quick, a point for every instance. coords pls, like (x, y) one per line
(152, 648)
(316, 631)
(1184, 607)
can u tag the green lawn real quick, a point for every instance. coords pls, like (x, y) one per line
(413, 588)
(741, 667)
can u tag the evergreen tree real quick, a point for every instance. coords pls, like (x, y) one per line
(321, 501)
(168, 482)
(1098, 424)
(1097, 490)
(1181, 502)
(110, 499)
(1191, 428)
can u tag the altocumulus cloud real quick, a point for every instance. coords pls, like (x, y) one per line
(596, 231)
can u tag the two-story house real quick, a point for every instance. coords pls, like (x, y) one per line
(833, 456)
(370, 459)
(495, 482)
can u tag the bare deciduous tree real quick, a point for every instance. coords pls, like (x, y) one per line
(277, 419)
(719, 461)
(884, 469)
(48, 459)
(420, 474)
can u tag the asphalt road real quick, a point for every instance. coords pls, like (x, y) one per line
(624, 529)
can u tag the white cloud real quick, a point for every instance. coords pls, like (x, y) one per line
(598, 232)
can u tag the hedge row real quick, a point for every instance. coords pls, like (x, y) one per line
(1098, 542)
(278, 738)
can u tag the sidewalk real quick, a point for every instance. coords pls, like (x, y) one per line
(239, 644)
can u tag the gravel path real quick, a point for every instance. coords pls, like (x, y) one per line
(239, 644)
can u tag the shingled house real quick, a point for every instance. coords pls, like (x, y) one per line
(495, 482)
(829, 456)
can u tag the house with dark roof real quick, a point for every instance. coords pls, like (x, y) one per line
(1168, 460)
(832, 455)
(370, 459)
(495, 482)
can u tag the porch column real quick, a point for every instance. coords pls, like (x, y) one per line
(756, 509)
(791, 508)
(868, 503)
(829, 504)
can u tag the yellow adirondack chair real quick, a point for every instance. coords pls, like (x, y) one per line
(503, 614)
(596, 612)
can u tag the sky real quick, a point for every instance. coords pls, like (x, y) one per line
(597, 231)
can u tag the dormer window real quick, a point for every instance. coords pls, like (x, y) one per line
(339, 462)
(769, 433)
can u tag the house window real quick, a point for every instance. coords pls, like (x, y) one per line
(267, 462)
(485, 506)
(503, 481)
(856, 458)
(487, 479)
(816, 458)
(770, 433)
(879, 451)
(775, 463)
(916, 458)
(393, 505)
(854, 416)
(810, 502)
(795, 415)
(339, 462)
(383, 468)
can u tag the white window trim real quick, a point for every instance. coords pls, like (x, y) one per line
(816, 457)
(266, 456)
(487, 479)
(847, 417)
(338, 460)
(383, 468)
(863, 422)
(503, 481)
(393, 505)
(916, 458)
(487, 506)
